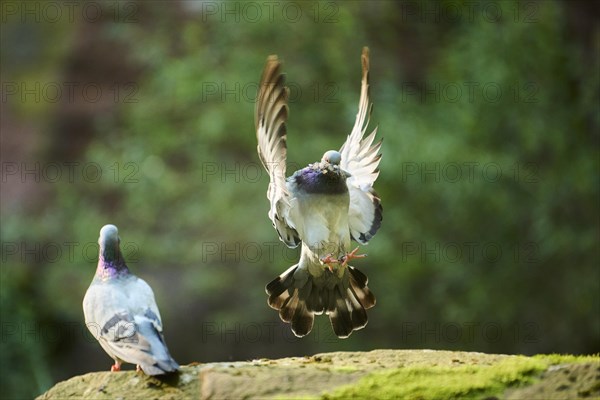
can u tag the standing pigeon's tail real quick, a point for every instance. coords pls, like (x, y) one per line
(298, 296)
(160, 361)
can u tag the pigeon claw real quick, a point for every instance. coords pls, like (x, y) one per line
(116, 367)
(351, 256)
(329, 260)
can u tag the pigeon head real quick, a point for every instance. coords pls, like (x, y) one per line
(108, 234)
(332, 157)
(330, 162)
(110, 260)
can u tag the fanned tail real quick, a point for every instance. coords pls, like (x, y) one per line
(299, 296)
(288, 294)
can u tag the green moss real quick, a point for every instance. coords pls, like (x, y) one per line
(553, 359)
(345, 368)
(450, 382)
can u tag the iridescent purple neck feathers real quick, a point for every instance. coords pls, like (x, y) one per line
(110, 266)
(321, 178)
(110, 260)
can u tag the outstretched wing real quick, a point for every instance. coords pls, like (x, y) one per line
(270, 117)
(360, 157)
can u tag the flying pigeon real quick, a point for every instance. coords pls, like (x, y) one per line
(121, 312)
(323, 207)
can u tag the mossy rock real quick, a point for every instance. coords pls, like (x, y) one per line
(410, 374)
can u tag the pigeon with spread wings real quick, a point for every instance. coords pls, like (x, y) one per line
(322, 207)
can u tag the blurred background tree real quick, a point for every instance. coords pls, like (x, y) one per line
(141, 114)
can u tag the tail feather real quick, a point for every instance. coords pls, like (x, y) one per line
(330, 301)
(360, 278)
(288, 294)
(286, 312)
(299, 296)
(160, 367)
(302, 321)
(315, 302)
(146, 348)
(278, 287)
(341, 318)
(359, 314)
(358, 283)
(277, 302)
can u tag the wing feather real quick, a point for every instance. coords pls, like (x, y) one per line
(270, 118)
(123, 316)
(361, 157)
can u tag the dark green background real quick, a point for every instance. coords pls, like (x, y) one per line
(489, 177)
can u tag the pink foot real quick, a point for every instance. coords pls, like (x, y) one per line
(138, 368)
(116, 367)
(351, 256)
(329, 260)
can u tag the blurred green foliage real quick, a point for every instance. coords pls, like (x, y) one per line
(489, 177)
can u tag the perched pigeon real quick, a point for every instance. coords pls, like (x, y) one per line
(323, 206)
(121, 312)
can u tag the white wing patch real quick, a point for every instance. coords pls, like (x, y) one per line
(360, 158)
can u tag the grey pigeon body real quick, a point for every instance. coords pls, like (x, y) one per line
(121, 312)
(323, 207)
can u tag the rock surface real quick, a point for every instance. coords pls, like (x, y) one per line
(374, 374)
